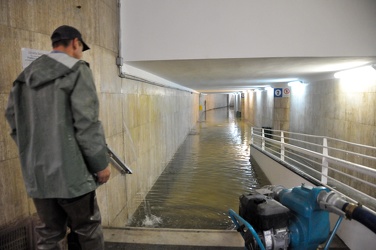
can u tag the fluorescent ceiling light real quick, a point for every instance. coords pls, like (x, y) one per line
(367, 72)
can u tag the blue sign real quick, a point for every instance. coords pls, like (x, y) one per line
(278, 92)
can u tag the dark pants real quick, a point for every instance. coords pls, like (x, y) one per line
(80, 214)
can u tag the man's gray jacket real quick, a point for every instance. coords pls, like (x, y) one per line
(53, 113)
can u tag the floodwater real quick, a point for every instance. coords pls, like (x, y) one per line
(205, 178)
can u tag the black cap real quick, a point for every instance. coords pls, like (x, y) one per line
(66, 32)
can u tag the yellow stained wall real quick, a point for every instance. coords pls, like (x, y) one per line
(144, 124)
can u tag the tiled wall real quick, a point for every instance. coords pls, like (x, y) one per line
(144, 124)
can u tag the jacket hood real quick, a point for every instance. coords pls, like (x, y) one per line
(47, 68)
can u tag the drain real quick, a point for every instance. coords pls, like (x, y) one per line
(17, 236)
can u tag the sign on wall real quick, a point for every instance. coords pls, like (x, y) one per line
(29, 55)
(282, 92)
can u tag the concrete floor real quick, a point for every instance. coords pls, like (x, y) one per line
(172, 239)
(181, 239)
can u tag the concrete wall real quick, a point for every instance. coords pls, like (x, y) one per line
(341, 109)
(144, 124)
(281, 120)
(334, 108)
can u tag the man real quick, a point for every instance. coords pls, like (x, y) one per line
(53, 115)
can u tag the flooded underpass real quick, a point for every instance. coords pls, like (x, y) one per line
(205, 178)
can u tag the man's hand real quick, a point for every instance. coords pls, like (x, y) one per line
(104, 175)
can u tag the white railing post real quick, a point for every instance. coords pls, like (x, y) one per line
(282, 146)
(324, 170)
(262, 139)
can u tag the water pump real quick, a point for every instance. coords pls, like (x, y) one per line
(276, 218)
(268, 217)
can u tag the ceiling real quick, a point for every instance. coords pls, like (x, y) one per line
(231, 75)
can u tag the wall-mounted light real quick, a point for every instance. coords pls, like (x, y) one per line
(268, 88)
(295, 83)
(298, 87)
(366, 72)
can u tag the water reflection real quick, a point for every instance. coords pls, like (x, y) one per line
(205, 177)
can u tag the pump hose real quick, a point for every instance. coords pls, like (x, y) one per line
(236, 219)
(361, 214)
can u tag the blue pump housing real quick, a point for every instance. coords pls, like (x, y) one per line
(309, 225)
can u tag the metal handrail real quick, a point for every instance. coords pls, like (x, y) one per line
(308, 156)
(328, 138)
(349, 165)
